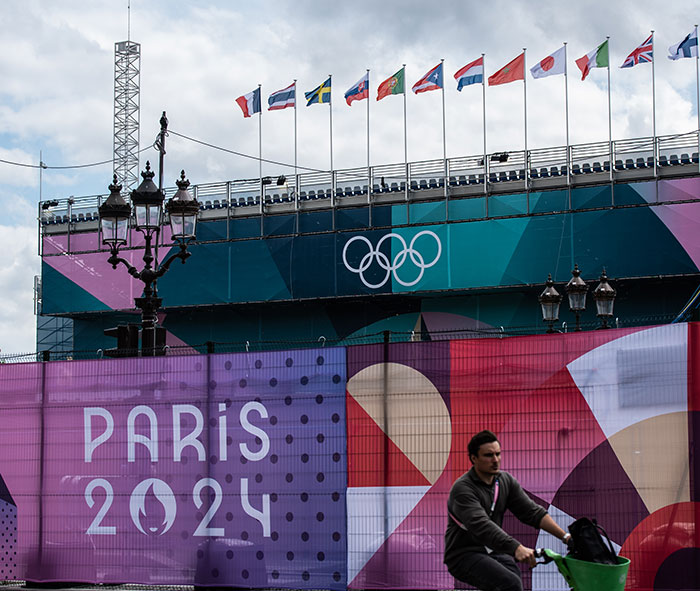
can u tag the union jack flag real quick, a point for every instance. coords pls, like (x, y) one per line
(644, 54)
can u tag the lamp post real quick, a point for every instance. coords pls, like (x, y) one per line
(604, 296)
(147, 200)
(550, 299)
(576, 291)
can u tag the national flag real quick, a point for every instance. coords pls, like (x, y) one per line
(287, 97)
(472, 73)
(320, 94)
(551, 65)
(431, 81)
(686, 48)
(359, 91)
(644, 54)
(392, 85)
(512, 71)
(250, 103)
(598, 58)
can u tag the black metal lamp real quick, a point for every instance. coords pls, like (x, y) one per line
(147, 200)
(550, 299)
(604, 296)
(114, 217)
(576, 291)
(182, 210)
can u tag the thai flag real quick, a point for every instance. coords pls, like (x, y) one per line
(472, 73)
(644, 54)
(250, 103)
(283, 98)
(431, 81)
(359, 91)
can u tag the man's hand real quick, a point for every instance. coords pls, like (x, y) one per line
(526, 555)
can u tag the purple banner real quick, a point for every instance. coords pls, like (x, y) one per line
(221, 470)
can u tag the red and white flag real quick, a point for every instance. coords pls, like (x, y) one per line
(551, 65)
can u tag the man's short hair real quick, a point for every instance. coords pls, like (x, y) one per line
(478, 440)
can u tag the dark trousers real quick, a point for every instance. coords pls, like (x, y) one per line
(489, 572)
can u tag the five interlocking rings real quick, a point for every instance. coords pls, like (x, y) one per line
(397, 262)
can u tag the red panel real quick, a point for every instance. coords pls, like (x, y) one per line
(367, 445)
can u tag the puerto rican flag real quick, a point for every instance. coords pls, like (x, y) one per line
(359, 91)
(250, 103)
(431, 81)
(472, 73)
(644, 54)
(283, 98)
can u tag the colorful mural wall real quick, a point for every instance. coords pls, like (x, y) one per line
(415, 252)
(330, 468)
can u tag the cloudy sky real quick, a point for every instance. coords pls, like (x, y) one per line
(57, 59)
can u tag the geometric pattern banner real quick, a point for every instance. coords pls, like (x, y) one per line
(330, 468)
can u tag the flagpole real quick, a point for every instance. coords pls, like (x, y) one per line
(610, 144)
(295, 127)
(653, 102)
(260, 132)
(697, 91)
(405, 137)
(368, 101)
(483, 114)
(527, 164)
(444, 137)
(566, 101)
(330, 118)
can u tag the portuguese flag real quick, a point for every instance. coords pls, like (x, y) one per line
(392, 85)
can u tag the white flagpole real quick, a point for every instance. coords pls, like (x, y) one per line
(697, 91)
(330, 117)
(653, 101)
(260, 132)
(566, 101)
(610, 144)
(444, 136)
(483, 114)
(405, 137)
(295, 127)
(527, 162)
(368, 101)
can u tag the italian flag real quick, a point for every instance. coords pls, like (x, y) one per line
(392, 85)
(598, 58)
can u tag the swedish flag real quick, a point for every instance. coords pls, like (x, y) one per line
(322, 94)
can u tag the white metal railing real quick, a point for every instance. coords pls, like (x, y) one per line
(401, 177)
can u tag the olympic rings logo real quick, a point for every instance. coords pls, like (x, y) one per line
(375, 254)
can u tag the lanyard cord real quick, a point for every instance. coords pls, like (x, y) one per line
(495, 496)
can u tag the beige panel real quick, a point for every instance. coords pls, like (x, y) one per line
(654, 453)
(418, 421)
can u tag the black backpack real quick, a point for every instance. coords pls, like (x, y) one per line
(589, 543)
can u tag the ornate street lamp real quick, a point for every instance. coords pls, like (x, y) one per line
(604, 296)
(147, 202)
(576, 291)
(550, 299)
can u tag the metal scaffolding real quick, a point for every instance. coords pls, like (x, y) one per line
(127, 69)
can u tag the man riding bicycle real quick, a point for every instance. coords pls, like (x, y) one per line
(477, 550)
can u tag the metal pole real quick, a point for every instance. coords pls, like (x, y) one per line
(260, 135)
(697, 93)
(295, 126)
(527, 160)
(444, 137)
(405, 137)
(483, 105)
(330, 118)
(368, 101)
(653, 104)
(566, 110)
(610, 144)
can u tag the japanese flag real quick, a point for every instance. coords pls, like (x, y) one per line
(551, 65)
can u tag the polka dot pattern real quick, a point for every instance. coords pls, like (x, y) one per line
(303, 472)
(8, 541)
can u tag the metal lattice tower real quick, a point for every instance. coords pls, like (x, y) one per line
(127, 69)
